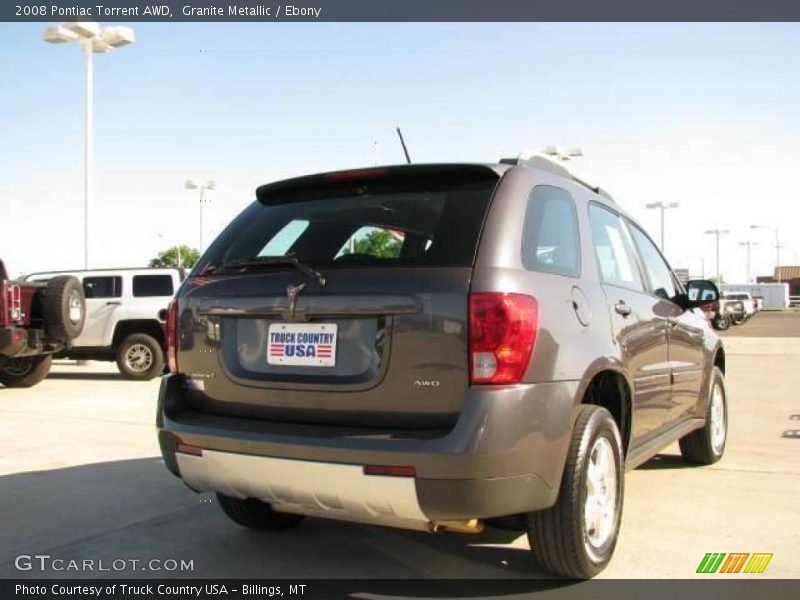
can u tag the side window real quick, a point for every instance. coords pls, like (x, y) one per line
(152, 285)
(550, 240)
(102, 287)
(657, 269)
(615, 257)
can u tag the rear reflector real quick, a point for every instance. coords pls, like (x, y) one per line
(393, 471)
(172, 336)
(188, 449)
(502, 334)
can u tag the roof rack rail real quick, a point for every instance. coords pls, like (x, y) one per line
(536, 161)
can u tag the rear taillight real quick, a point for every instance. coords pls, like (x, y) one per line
(172, 336)
(502, 334)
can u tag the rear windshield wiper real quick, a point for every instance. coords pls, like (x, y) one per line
(258, 261)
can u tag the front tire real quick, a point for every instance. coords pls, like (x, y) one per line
(707, 445)
(27, 371)
(576, 537)
(255, 514)
(140, 357)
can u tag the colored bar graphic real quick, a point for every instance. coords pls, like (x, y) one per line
(758, 563)
(713, 562)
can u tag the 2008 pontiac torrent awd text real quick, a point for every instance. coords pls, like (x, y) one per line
(438, 347)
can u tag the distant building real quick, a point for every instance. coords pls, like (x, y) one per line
(682, 275)
(790, 275)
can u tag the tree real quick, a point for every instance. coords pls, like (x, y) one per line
(169, 257)
(379, 243)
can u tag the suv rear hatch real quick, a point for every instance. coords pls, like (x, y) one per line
(340, 299)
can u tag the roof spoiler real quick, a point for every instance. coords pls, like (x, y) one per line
(536, 161)
(375, 180)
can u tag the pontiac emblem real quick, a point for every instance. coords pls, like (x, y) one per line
(292, 291)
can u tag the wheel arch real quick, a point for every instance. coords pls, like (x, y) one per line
(128, 327)
(608, 385)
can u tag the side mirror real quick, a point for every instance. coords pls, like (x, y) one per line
(699, 293)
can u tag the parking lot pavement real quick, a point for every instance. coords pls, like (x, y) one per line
(768, 324)
(80, 478)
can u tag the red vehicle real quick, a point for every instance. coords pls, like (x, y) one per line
(36, 320)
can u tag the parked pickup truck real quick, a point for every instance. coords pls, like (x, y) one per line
(745, 298)
(36, 321)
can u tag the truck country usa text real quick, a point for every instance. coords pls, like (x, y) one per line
(301, 344)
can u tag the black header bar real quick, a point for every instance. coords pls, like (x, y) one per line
(400, 10)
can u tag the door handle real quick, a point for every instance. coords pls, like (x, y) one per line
(113, 303)
(622, 308)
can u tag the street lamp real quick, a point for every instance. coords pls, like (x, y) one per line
(718, 233)
(663, 207)
(92, 39)
(749, 246)
(777, 248)
(191, 184)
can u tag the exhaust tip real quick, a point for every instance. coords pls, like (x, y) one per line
(459, 526)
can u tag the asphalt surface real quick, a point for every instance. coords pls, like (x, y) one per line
(81, 478)
(768, 324)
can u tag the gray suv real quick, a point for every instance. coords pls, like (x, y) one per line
(438, 347)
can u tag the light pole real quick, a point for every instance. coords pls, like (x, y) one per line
(663, 207)
(92, 39)
(749, 245)
(718, 233)
(777, 248)
(208, 185)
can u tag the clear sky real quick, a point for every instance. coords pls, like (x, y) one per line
(706, 115)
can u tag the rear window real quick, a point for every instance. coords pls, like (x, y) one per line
(401, 221)
(152, 285)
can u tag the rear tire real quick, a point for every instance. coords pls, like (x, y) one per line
(63, 308)
(576, 537)
(722, 322)
(707, 445)
(27, 371)
(140, 357)
(255, 514)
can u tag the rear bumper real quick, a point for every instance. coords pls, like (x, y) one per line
(504, 456)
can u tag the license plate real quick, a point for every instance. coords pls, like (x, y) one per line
(302, 344)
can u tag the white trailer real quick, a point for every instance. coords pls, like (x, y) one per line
(775, 295)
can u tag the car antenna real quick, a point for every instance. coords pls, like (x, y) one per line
(403, 143)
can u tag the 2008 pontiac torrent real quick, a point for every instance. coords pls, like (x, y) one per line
(438, 347)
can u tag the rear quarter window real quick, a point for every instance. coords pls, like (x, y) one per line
(550, 239)
(152, 285)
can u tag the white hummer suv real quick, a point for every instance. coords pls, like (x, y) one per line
(124, 310)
